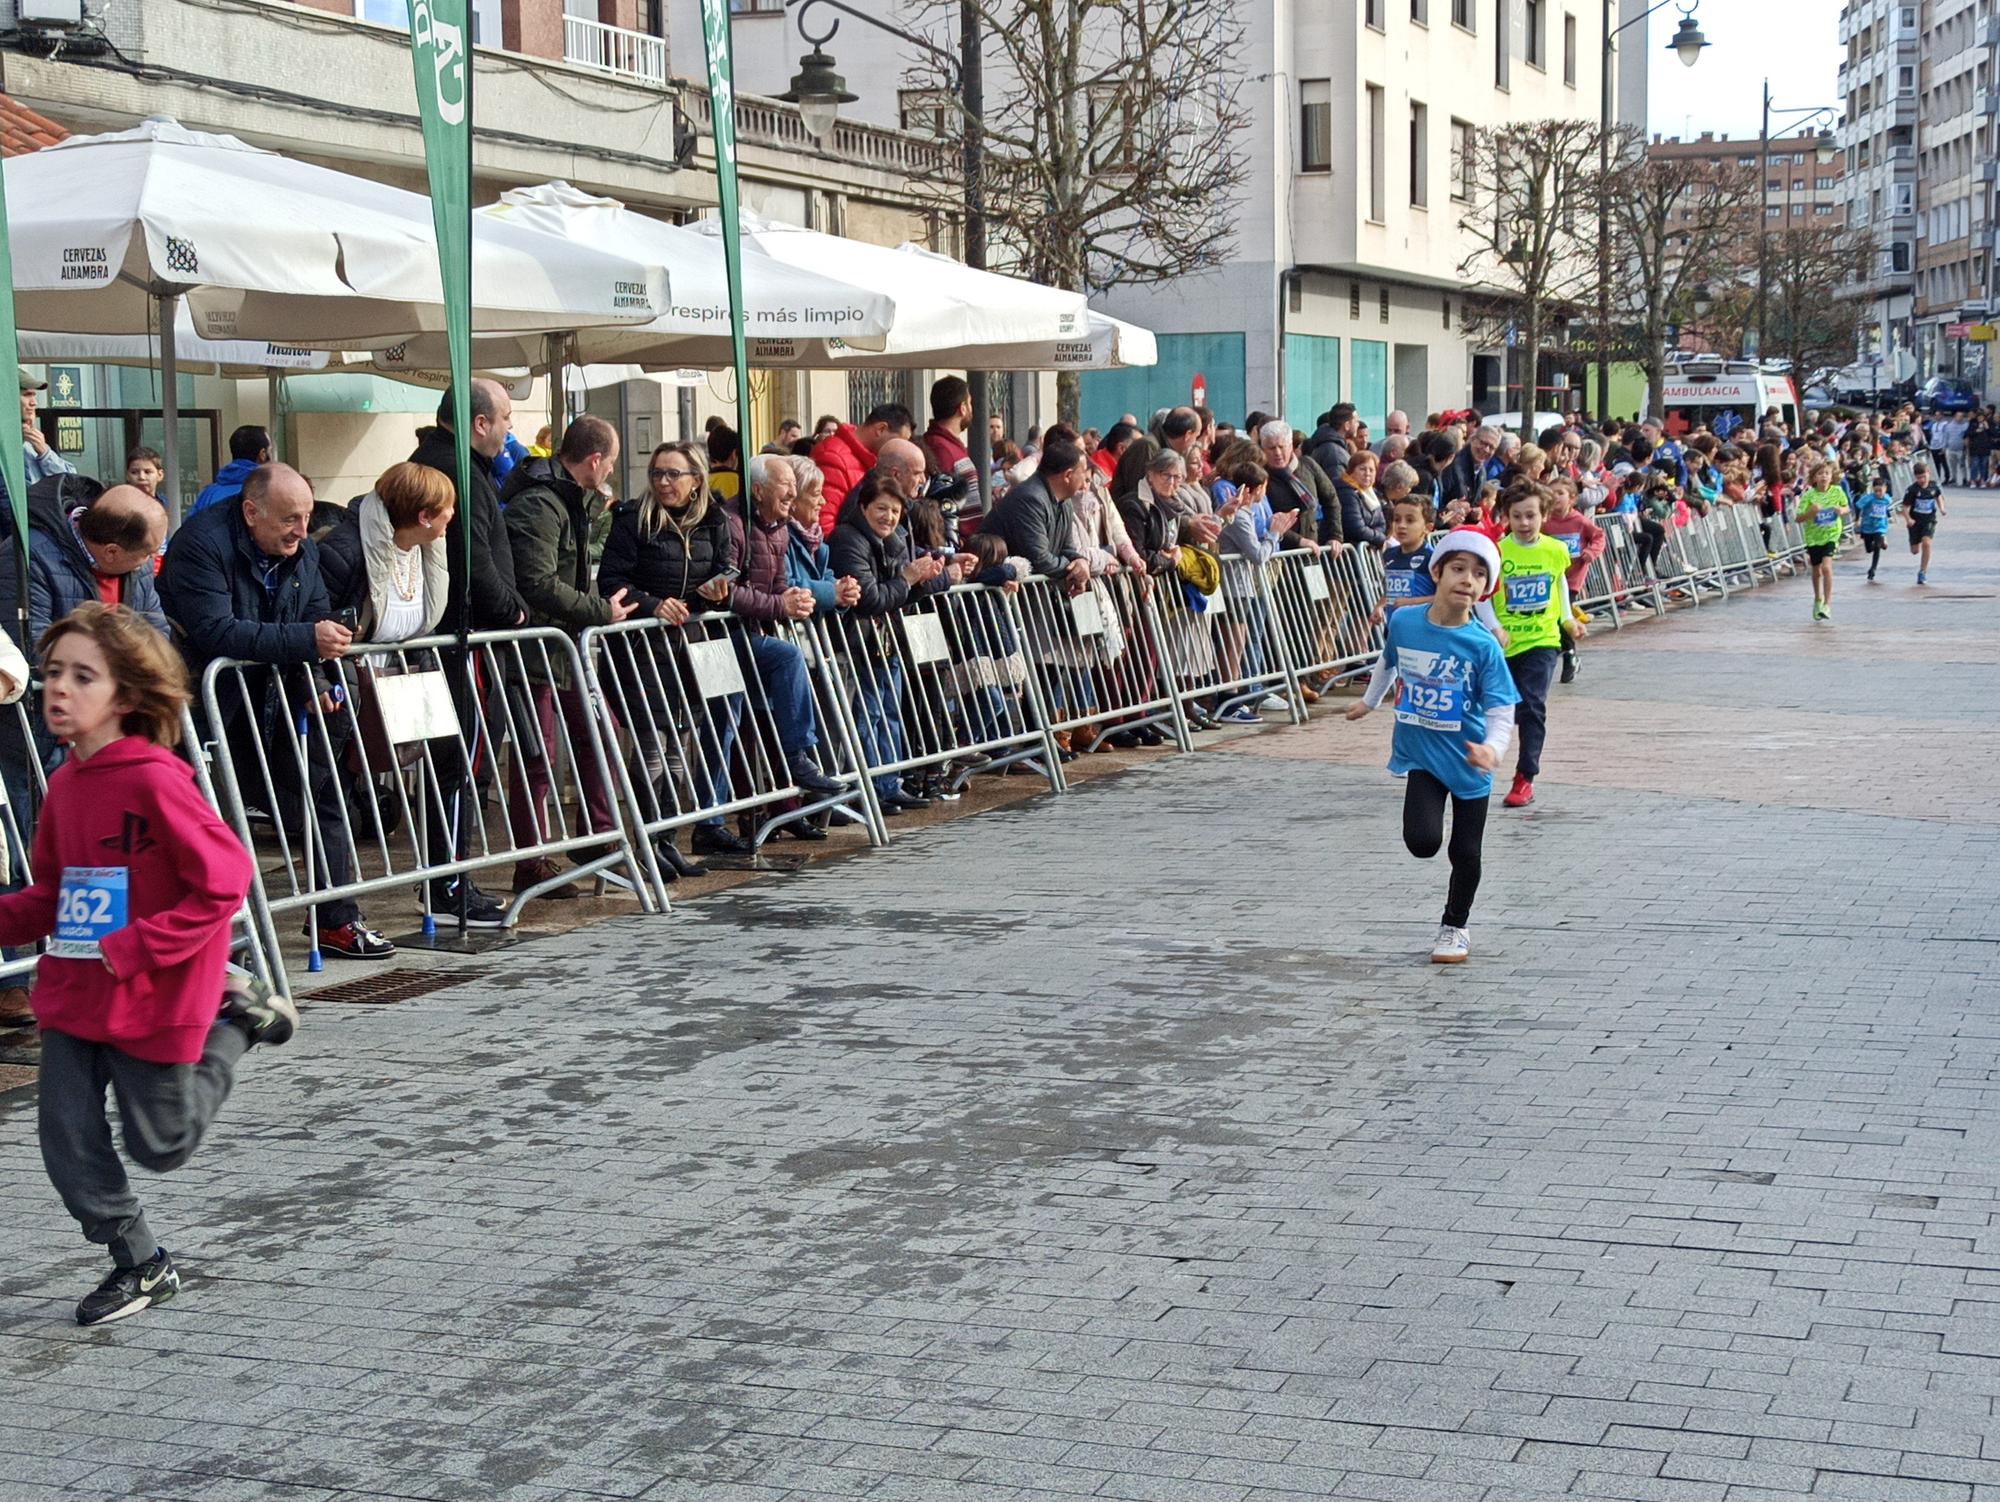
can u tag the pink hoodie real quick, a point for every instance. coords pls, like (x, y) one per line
(133, 807)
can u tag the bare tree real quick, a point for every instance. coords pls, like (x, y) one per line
(1680, 226)
(1809, 323)
(1110, 135)
(1531, 218)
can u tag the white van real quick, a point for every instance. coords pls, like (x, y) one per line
(1727, 395)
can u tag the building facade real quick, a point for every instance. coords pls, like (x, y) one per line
(1958, 100)
(1343, 282)
(1878, 136)
(594, 99)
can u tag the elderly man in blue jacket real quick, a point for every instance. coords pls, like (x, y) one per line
(242, 581)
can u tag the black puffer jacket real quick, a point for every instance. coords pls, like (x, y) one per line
(1151, 529)
(496, 604)
(665, 566)
(877, 564)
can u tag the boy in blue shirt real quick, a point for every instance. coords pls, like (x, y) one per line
(1872, 511)
(1454, 718)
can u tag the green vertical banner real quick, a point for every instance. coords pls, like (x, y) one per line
(438, 47)
(722, 110)
(13, 448)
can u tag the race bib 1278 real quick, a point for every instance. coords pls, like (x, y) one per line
(1527, 593)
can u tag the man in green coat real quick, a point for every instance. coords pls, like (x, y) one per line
(550, 505)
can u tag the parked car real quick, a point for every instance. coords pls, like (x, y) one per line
(1946, 394)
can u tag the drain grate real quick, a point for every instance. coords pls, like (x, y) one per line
(384, 990)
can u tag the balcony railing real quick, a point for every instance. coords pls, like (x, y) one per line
(767, 122)
(615, 50)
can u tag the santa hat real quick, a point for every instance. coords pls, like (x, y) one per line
(1470, 540)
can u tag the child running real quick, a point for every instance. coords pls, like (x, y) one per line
(1822, 512)
(1532, 604)
(1585, 541)
(1406, 562)
(1923, 504)
(136, 883)
(1872, 511)
(1454, 716)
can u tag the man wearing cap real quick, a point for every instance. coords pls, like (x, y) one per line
(42, 461)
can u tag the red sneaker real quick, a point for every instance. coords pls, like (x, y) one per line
(1521, 794)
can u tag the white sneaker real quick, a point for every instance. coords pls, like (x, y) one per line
(1453, 945)
(1274, 704)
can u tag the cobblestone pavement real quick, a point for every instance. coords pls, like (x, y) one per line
(1123, 1146)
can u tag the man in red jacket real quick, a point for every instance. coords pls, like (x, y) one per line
(944, 446)
(850, 453)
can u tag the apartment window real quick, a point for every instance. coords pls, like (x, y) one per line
(1420, 154)
(1798, 185)
(1535, 53)
(1822, 209)
(1906, 81)
(1461, 160)
(925, 112)
(1902, 198)
(1773, 212)
(1354, 299)
(1378, 156)
(1116, 145)
(1899, 256)
(1502, 62)
(1371, 12)
(1906, 20)
(1447, 312)
(1385, 305)
(652, 17)
(1569, 50)
(1462, 14)
(1746, 161)
(1315, 125)
(1420, 12)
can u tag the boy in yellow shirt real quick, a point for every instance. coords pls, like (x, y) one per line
(1532, 603)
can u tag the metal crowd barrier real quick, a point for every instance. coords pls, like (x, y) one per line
(943, 687)
(393, 746)
(1226, 648)
(21, 734)
(1325, 608)
(1100, 657)
(697, 716)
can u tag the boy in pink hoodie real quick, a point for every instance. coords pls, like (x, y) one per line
(136, 883)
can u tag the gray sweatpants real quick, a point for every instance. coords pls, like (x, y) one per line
(164, 1108)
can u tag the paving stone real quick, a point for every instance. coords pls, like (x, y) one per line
(1123, 1145)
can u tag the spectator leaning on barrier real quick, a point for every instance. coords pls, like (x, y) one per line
(385, 561)
(1299, 484)
(868, 546)
(764, 593)
(848, 453)
(549, 507)
(249, 447)
(1147, 477)
(806, 551)
(1362, 515)
(496, 604)
(1031, 521)
(667, 551)
(242, 581)
(99, 550)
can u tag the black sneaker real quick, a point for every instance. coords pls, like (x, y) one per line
(354, 941)
(1569, 667)
(481, 911)
(261, 1012)
(131, 1289)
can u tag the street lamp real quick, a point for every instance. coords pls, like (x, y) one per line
(819, 92)
(1823, 152)
(1688, 44)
